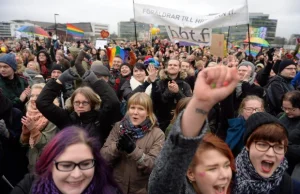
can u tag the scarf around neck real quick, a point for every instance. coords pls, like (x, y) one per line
(126, 127)
(39, 122)
(134, 84)
(248, 181)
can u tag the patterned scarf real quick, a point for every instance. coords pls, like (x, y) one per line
(136, 132)
(47, 185)
(40, 122)
(248, 181)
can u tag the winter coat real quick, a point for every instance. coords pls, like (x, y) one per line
(164, 101)
(131, 174)
(132, 86)
(235, 134)
(34, 153)
(169, 173)
(293, 152)
(98, 123)
(276, 88)
(13, 89)
(33, 77)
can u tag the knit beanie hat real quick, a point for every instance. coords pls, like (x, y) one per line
(9, 59)
(247, 63)
(258, 119)
(99, 69)
(152, 61)
(57, 67)
(283, 64)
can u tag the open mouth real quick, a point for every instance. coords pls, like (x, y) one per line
(266, 166)
(220, 189)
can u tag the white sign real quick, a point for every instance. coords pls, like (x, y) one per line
(169, 17)
(100, 44)
(197, 36)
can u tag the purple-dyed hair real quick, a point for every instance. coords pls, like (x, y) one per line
(103, 180)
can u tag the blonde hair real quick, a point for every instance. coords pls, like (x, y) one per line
(92, 97)
(20, 64)
(199, 64)
(37, 67)
(145, 101)
(38, 86)
(248, 98)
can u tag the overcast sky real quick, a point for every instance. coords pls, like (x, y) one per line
(112, 11)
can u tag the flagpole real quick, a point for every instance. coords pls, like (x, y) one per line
(228, 38)
(249, 42)
(66, 33)
(134, 24)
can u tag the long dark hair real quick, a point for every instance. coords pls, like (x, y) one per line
(103, 179)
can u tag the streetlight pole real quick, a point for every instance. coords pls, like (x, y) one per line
(55, 25)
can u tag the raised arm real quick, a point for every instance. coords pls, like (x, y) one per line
(169, 173)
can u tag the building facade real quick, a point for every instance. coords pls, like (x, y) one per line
(5, 31)
(239, 33)
(126, 31)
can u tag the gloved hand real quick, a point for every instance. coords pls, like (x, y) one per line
(86, 47)
(89, 77)
(68, 76)
(126, 144)
(270, 54)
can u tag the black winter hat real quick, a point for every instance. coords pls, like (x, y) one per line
(57, 67)
(284, 64)
(126, 64)
(258, 119)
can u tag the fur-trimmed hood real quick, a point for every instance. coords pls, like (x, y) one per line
(163, 74)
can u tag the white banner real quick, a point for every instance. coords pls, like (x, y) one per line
(196, 36)
(163, 16)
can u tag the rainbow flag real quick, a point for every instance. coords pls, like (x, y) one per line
(298, 54)
(74, 31)
(116, 51)
(254, 50)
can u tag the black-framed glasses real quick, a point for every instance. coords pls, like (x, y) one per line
(263, 146)
(67, 166)
(84, 103)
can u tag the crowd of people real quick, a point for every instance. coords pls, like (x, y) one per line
(164, 119)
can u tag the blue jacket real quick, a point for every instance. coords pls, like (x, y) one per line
(235, 134)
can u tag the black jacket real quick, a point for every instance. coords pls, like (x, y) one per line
(97, 122)
(276, 88)
(164, 101)
(127, 91)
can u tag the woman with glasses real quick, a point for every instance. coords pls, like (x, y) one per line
(236, 129)
(36, 130)
(261, 165)
(85, 108)
(70, 163)
(291, 119)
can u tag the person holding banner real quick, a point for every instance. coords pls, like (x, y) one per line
(190, 161)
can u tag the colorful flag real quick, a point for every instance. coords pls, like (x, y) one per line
(116, 51)
(74, 31)
(254, 50)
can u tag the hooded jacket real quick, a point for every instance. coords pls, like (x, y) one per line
(276, 88)
(33, 77)
(98, 123)
(164, 101)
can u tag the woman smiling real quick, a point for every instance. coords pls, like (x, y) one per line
(133, 145)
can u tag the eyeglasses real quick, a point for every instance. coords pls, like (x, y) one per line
(84, 103)
(250, 109)
(288, 109)
(67, 166)
(264, 146)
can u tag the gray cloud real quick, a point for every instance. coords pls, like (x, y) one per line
(112, 11)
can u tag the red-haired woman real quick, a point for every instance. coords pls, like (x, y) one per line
(190, 161)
